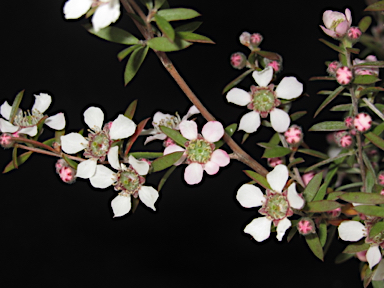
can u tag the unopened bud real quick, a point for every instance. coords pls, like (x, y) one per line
(380, 178)
(294, 135)
(66, 173)
(362, 122)
(238, 60)
(273, 162)
(245, 38)
(354, 33)
(334, 213)
(255, 40)
(5, 140)
(332, 67)
(306, 226)
(344, 75)
(307, 177)
(343, 139)
(348, 121)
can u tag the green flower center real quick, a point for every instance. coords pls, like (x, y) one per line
(336, 23)
(199, 150)
(277, 206)
(128, 181)
(263, 100)
(99, 144)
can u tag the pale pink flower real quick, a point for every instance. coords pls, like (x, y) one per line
(362, 122)
(366, 70)
(336, 23)
(344, 75)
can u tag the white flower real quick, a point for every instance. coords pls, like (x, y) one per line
(276, 204)
(262, 100)
(107, 11)
(26, 123)
(97, 145)
(128, 179)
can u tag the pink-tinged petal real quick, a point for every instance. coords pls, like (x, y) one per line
(192, 111)
(342, 28)
(378, 274)
(280, 120)
(5, 126)
(103, 177)
(87, 168)
(74, 9)
(259, 228)
(31, 131)
(250, 196)
(158, 136)
(175, 148)
(239, 97)
(122, 127)
(289, 88)
(94, 118)
(148, 195)
(211, 168)
(294, 199)
(158, 117)
(282, 227)
(188, 129)
(56, 122)
(250, 122)
(5, 110)
(42, 102)
(348, 16)
(106, 14)
(351, 230)
(373, 256)
(264, 77)
(113, 157)
(121, 205)
(141, 167)
(278, 177)
(212, 131)
(193, 174)
(73, 143)
(220, 157)
(330, 16)
(330, 33)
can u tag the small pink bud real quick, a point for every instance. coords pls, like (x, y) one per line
(354, 33)
(305, 226)
(5, 140)
(245, 38)
(344, 75)
(168, 142)
(60, 164)
(275, 65)
(380, 178)
(238, 60)
(345, 140)
(255, 40)
(362, 122)
(307, 177)
(348, 121)
(67, 174)
(273, 162)
(334, 213)
(294, 135)
(332, 67)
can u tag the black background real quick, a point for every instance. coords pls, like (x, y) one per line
(61, 235)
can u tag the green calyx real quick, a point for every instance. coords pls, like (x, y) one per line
(99, 144)
(128, 181)
(277, 206)
(263, 100)
(199, 150)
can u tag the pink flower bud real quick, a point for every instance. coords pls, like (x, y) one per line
(332, 67)
(307, 177)
(362, 122)
(344, 75)
(380, 178)
(5, 140)
(293, 135)
(354, 33)
(273, 162)
(238, 60)
(67, 174)
(344, 140)
(362, 256)
(245, 38)
(334, 213)
(255, 40)
(305, 226)
(348, 121)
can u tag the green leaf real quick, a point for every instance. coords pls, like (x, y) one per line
(146, 155)
(323, 188)
(189, 27)
(378, 6)
(174, 135)
(315, 245)
(377, 229)
(353, 50)
(158, 4)
(130, 112)
(58, 134)
(295, 116)
(313, 186)
(333, 46)
(163, 44)
(176, 14)
(365, 23)
(377, 283)
(370, 64)
(165, 27)
(294, 162)
(268, 55)
(365, 79)
(124, 53)
(166, 161)
(334, 195)
(341, 107)
(236, 80)
(18, 160)
(376, 140)
(370, 90)
(276, 152)
(332, 96)
(323, 232)
(322, 78)
(328, 126)
(370, 210)
(113, 34)
(15, 105)
(193, 37)
(70, 162)
(258, 178)
(349, 186)
(328, 161)
(134, 63)
(165, 177)
(321, 206)
(356, 247)
(362, 198)
(229, 130)
(147, 3)
(341, 258)
(313, 153)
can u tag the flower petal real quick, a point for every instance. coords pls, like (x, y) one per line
(193, 174)
(239, 97)
(220, 157)
(113, 157)
(103, 178)
(122, 127)
(106, 14)
(250, 122)
(211, 168)
(278, 177)
(42, 102)
(280, 120)
(86, 169)
(259, 228)
(373, 256)
(5, 110)
(141, 167)
(31, 131)
(5, 126)
(250, 196)
(282, 227)
(157, 136)
(289, 88)
(348, 16)
(148, 195)
(175, 148)
(56, 122)
(328, 32)
(94, 118)
(351, 230)
(294, 199)
(73, 143)
(192, 111)
(212, 131)
(121, 205)
(188, 129)
(74, 9)
(263, 77)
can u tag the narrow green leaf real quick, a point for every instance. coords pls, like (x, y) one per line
(362, 198)
(193, 37)
(58, 134)
(349, 186)
(163, 44)
(377, 229)
(334, 195)
(341, 258)
(166, 161)
(175, 14)
(258, 178)
(332, 96)
(313, 153)
(158, 4)
(229, 130)
(189, 27)
(370, 176)
(113, 34)
(333, 46)
(165, 177)
(328, 161)
(329, 126)
(147, 3)
(323, 188)
(174, 135)
(365, 79)
(323, 232)
(370, 64)
(14, 157)
(15, 105)
(353, 50)
(315, 245)
(321, 206)
(70, 162)
(134, 63)
(376, 140)
(124, 53)
(20, 160)
(378, 6)
(312, 187)
(146, 155)
(370, 90)
(370, 210)
(297, 115)
(356, 247)
(377, 283)
(165, 27)
(236, 80)
(341, 107)
(130, 112)
(365, 23)
(294, 162)
(276, 152)
(322, 78)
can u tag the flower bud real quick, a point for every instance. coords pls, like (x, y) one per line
(238, 60)
(245, 38)
(332, 67)
(307, 177)
(348, 121)
(354, 33)
(334, 213)
(66, 173)
(294, 135)
(343, 139)
(273, 162)
(5, 140)
(344, 75)
(362, 122)
(255, 40)
(380, 178)
(305, 226)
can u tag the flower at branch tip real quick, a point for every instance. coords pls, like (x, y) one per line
(306, 226)
(66, 173)
(344, 75)
(336, 23)
(366, 70)
(276, 205)
(200, 153)
(129, 180)
(167, 120)
(98, 143)
(263, 100)
(107, 11)
(26, 123)
(238, 60)
(362, 122)
(294, 135)
(354, 33)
